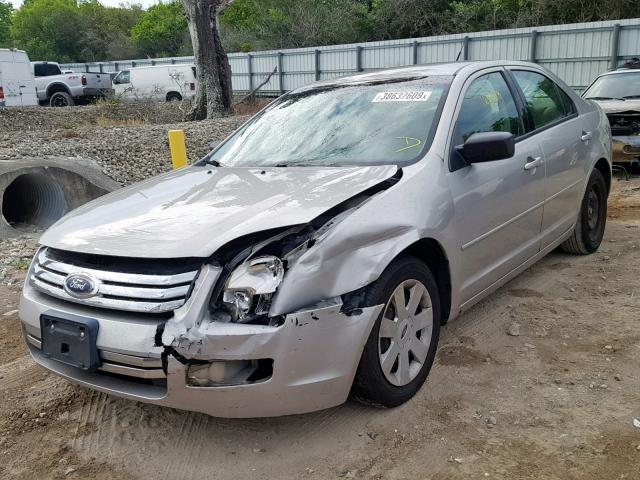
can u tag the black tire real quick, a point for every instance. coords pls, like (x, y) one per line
(61, 99)
(174, 97)
(370, 384)
(589, 230)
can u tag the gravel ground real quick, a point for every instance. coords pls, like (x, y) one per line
(38, 118)
(129, 141)
(15, 256)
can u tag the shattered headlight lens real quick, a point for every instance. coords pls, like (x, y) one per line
(250, 286)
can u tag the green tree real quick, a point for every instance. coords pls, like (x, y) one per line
(261, 24)
(161, 30)
(105, 31)
(47, 29)
(407, 18)
(6, 17)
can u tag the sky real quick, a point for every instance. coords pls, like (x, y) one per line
(110, 3)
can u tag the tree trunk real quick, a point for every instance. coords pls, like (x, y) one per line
(213, 96)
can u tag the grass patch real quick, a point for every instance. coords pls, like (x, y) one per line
(20, 264)
(108, 101)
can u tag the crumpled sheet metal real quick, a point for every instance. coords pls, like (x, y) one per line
(357, 250)
(194, 310)
(315, 355)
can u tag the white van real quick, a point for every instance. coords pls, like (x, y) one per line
(160, 82)
(17, 86)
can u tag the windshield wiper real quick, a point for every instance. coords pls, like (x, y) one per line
(215, 163)
(631, 96)
(605, 98)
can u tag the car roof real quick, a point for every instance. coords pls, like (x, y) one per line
(417, 71)
(166, 65)
(620, 71)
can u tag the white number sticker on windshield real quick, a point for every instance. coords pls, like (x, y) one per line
(414, 96)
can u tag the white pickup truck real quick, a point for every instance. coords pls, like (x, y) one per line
(66, 89)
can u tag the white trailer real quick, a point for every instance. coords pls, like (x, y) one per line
(160, 82)
(17, 85)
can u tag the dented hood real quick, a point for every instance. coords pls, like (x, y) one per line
(194, 211)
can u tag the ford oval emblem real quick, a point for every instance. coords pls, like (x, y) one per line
(81, 285)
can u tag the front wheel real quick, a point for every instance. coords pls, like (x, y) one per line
(402, 345)
(589, 229)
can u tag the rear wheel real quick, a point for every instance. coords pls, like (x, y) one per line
(402, 345)
(589, 230)
(173, 97)
(61, 99)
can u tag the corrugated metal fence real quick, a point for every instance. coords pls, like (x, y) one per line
(575, 52)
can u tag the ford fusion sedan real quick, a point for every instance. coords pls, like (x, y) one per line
(317, 251)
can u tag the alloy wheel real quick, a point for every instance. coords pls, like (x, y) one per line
(405, 332)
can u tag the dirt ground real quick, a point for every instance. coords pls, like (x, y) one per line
(556, 401)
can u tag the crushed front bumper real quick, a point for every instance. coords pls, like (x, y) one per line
(315, 353)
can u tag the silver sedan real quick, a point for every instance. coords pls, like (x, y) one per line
(316, 252)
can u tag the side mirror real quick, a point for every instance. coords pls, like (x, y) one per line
(487, 146)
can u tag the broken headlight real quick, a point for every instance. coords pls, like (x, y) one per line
(250, 287)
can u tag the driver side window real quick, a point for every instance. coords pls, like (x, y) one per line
(488, 106)
(123, 77)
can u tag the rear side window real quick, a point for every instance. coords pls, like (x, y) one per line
(544, 102)
(569, 106)
(488, 106)
(45, 69)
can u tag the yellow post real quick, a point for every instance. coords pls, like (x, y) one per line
(178, 148)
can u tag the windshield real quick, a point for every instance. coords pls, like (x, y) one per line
(616, 86)
(364, 124)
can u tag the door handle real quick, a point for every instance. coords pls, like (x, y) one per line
(586, 136)
(533, 162)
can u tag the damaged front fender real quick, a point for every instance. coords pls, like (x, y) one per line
(356, 251)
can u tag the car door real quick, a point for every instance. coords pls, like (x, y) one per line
(122, 84)
(498, 204)
(551, 115)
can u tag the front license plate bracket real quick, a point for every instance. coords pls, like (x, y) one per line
(70, 339)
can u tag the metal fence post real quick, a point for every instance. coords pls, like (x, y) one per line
(414, 52)
(465, 48)
(533, 47)
(359, 58)
(615, 46)
(115, 67)
(280, 73)
(316, 60)
(153, 63)
(250, 71)
(101, 69)
(133, 64)
(173, 61)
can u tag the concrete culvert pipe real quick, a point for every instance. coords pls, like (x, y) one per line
(33, 200)
(35, 194)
